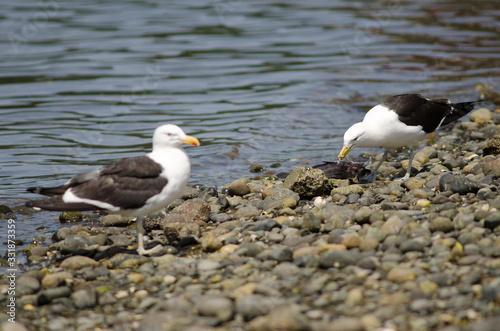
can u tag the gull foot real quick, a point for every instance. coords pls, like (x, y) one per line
(368, 178)
(152, 251)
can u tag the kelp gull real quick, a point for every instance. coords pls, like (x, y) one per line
(135, 186)
(402, 120)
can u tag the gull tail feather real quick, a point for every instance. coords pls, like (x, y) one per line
(459, 109)
(57, 204)
(49, 191)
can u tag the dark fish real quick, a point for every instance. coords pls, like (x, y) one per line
(343, 169)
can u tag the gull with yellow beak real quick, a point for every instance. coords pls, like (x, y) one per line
(402, 120)
(134, 186)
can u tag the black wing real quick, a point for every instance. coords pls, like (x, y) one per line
(126, 183)
(413, 110)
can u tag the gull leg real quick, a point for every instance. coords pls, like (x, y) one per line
(373, 175)
(408, 171)
(140, 240)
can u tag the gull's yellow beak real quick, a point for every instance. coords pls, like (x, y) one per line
(343, 153)
(191, 141)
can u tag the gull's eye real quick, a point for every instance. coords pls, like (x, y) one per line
(169, 134)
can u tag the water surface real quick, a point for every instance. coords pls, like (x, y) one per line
(268, 82)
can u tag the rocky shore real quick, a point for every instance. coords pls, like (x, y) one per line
(302, 252)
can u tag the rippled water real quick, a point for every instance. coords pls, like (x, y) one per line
(83, 82)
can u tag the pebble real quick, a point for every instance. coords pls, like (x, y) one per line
(443, 224)
(78, 262)
(393, 225)
(85, 298)
(311, 222)
(246, 212)
(345, 324)
(195, 209)
(307, 182)
(239, 187)
(337, 258)
(281, 254)
(210, 243)
(481, 115)
(216, 306)
(492, 221)
(458, 184)
(284, 317)
(57, 279)
(401, 274)
(28, 285)
(114, 220)
(411, 246)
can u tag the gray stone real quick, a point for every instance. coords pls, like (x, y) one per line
(285, 270)
(393, 205)
(492, 146)
(38, 251)
(78, 262)
(352, 198)
(421, 305)
(189, 193)
(337, 258)
(411, 246)
(207, 193)
(481, 115)
(115, 220)
(195, 209)
(246, 212)
(57, 279)
(91, 273)
(369, 263)
(77, 245)
(307, 261)
(26, 285)
(62, 234)
(345, 324)
(238, 187)
(211, 243)
(266, 225)
(285, 317)
(270, 205)
(219, 307)
(208, 265)
(280, 193)
(281, 254)
(85, 298)
(252, 306)
(307, 182)
(443, 224)
(223, 202)
(251, 249)
(486, 194)
(46, 296)
(492, 221)
(311, 222)
(362, 215)
(488, 324)
(458, 184)
(221, 217)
